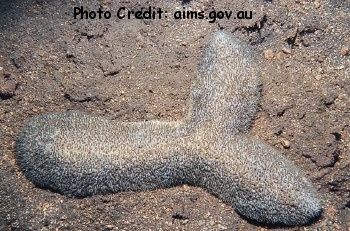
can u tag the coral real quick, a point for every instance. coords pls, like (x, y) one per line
(80, 155)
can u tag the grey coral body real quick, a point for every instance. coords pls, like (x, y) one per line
(81, 155)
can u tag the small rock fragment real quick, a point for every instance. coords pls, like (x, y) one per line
(184, 222)
(109, 68)
(329, 98)
(285, 143)
(317, 4)
(268, 54)
(180, 215)
(341, 67)
(318, 77)
(344, 51)
(279, 56)
(109, 227)
(286, 50)
(7, 86)
(222, 227)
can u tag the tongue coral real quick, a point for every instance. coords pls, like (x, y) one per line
(81, 155)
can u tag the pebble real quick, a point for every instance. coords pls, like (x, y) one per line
(184, 222)
(7, 87)
(317, 4)
(286, 50)
(279, 56)
(318, 77)
(285, 143)
(339, 67)
(268, 54)
(109, 227)
(344, 51)
(329, 98)
(222, 227)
